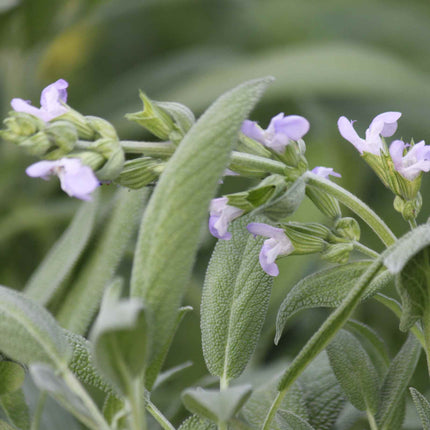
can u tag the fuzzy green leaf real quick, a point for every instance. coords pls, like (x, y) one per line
(235, 298)
(28, 332)
(11, 376)
(169, 234)
(355, 371)
(327, 288)
(215, 405)
(16, 411)
(63, 255)
(423, 407)
(396, 381)
(289, 421)
(88, 288)
(197, 423)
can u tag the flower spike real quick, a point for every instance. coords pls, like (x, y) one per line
(52, 102)
(277, 244)
(77, 180)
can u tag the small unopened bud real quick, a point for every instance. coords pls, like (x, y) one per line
(251, 146)
(85, 131)
(91, 159)
(338, 252)
(63, 135)
(348, 228)
(23, 124)
(38, 144)
(326, 203)
(153, 118)
(103, 128)
(114, 156)
(408, 208)
(140, 172)
(307, 238)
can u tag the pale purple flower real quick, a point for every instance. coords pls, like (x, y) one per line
(281, 129)
(77, 180)
(325, 172)
(52, 102)
(277, 244)
(221, 215)
(384, 124)
(416, 160)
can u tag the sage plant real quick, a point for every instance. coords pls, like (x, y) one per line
(100, 352)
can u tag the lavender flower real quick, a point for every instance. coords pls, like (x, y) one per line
(77, 180)
(416, 160)
(277, 244)
(281, 129)
(52, 102)
(325, 172)
(385, 124)
(221, 214)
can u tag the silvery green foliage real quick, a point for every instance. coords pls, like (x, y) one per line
(11, 376)
(327, 288)
(14, 410)
(235, 298)
(217, 406)
(63, 255)
(395, 383)
(197, 423)
(355, 371)
(120, 338)
(168, 236)
(289, 421)
(28, 332)
(423, 407)
(5, 426)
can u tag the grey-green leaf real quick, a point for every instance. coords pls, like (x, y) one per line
(119, 337)
(63, 255)
(327, 288)
(197, 423)
(169, 234)
(11, 376)
(28, 332)
(289, 421)
(396, 381)
(235, 298)
(15, 409)
(355, 371)
(215, 405)
(88, 288)
(423, 407)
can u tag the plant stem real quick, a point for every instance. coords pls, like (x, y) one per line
(365, 250)
(159, 417)
(355, 204)
(371, 419)
(321, 338)
(151, 149)
(243, 159)
(135, 396)
(37, 416)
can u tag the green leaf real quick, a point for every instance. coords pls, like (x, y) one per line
(171, 373)
(215, 405)
(5, 426)
(235, 298)
(114, 412)
(47, 380)
(168, 237)
(197, 423)
(355, 371)
(11, 376)
(15, 408)
(28, 333)
(88, 288)
(322, 393)
(63, 255)
(289, 421)
(396, 381)
(327, 288)
(423, 407)
(285, 205)
(372, 343)
(120, 339)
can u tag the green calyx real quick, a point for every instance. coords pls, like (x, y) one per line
(140, 172)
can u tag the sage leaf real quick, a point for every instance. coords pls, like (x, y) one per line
(28, 332)
(396, 381)
(5, 426)
(15, 409)
(355, 371)
(11, 376)
(327, 288)
(168, 238)
(215, 405)
(197, 423)
(235, 298)
(63, 255)
(288, 421)
(119, 337)
(88, 288)
(423, 407)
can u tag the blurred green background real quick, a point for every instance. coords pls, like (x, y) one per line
(329, 58)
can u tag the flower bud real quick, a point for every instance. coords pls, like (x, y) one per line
(103, 128)
(338, 252)
(153, 118)
(307, 238)
(91, 159)
(22, 124)
(348, 228)
(408, 208)
(251, 146)
(81, 123)
(38, 144)
(114, 156)
(326, 203)
(63, 135)
(140, 172)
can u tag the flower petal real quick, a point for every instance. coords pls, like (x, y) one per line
(325, 172)
(266, 230)
(293, 126)
(271, 268)
(78, 183)
(396, 151)
(389, 120)
(20, 105)
(253, 130)
(41, 169)
(54, 94)
(347, 132)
